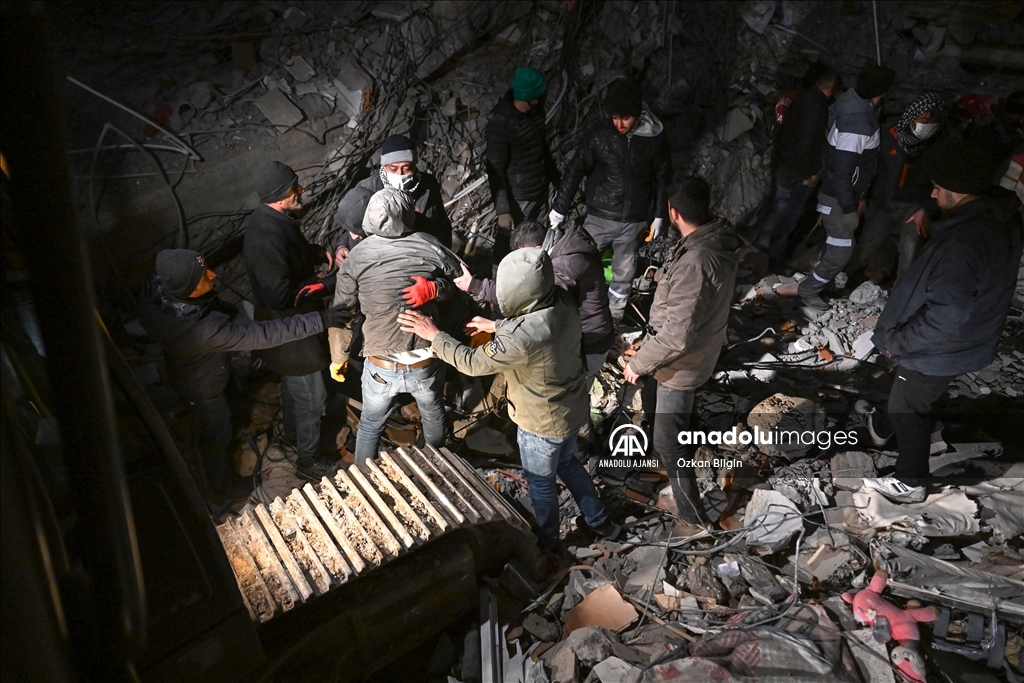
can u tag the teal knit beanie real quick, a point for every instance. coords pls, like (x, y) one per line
(528, 84)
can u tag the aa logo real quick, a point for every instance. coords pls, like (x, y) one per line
(628, 441)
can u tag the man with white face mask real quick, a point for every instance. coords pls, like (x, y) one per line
(900, 201)
(398, 171)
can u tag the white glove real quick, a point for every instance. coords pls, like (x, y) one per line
(656, 228)
(555, 219)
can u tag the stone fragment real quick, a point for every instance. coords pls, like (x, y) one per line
(563, 664)
(649, 568)
(872, 656)
(775, 520)
(736, 124)
(758, 576)
(278, 109)
(782, 420)
(540, 628)
(850, 468)
(701, 581)
(590, 645)
(300, 69)
(614, 670)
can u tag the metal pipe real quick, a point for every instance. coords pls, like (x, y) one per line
(878, 44)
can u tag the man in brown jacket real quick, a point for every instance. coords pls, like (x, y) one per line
(688, 327)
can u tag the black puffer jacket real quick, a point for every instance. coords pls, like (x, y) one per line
(627, 175)
(280, 262)
(519, 163)
(801, 138)
(904, 178)
(431, 216)
(578, 270)
(947, 312)
(197, 334)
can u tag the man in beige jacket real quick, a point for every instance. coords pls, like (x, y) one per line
(688, 327)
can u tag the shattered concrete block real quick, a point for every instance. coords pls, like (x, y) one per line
(278, 109)
(300, 69)
(614, 670)
(849, 469)
(775, 520)
(783, 421)
(862, 346)
(563, 664)
(758, 576)
(394, 10)
(736, 124)
(701, 581)
(590, 645)
(354, 86)
(872, 656)
(649, 569)
(541, 628)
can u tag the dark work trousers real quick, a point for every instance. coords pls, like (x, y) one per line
(882, 220)
(787, 205)
(909, 415)
(674, 411)
(211, 420)
(838, 247)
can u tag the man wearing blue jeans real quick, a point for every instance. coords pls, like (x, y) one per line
(537, 346)
(396, 362)
(689, 322)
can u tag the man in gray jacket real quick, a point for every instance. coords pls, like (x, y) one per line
(396, 361)
(537, 346)
(689, 322)
(849, 162)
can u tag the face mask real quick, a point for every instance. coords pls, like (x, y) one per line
(400, 182)
(923, 131)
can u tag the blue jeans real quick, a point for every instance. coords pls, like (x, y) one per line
(543, 458)
(674, 412)
(381, 387)
(303, 398)
(788, 200)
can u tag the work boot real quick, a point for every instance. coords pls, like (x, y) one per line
(607, 530)
(316, 468)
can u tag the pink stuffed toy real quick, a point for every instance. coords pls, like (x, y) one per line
(869, 605)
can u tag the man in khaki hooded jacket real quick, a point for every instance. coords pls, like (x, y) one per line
(689, 321)
(537, 346)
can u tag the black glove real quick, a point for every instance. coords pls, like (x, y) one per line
(338, 316)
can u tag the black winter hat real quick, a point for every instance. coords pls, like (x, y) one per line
(351, 210)
(274, 181)
(624, 98)
(180, 271)
(396, 149)
(874, 80)
(961, 168)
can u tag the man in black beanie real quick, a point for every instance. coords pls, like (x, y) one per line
(197, 330)
(851, 152)
(626, 162)
(398, 170)
(283, 271)
(946, 314)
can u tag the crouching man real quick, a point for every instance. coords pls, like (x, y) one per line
(537, 346)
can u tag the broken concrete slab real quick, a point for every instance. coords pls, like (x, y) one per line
(872, 657)
(300, 69)
(590, 644)
(781, 418)
(701, 581)
(736, 124)
(354, 87)
(649, 568)
(761, 579)
(278, 109)
(614, 670)
(774, 521)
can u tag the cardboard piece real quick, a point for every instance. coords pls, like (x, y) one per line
(604, 607)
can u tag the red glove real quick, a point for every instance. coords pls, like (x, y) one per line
(420, 291)
(309, 290)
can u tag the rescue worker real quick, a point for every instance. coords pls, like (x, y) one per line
(537, 347)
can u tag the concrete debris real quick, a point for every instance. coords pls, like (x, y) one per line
(948, 513)
(279, 110)
(779, 415)
(614, 670)
(541, 628)
(773, 520)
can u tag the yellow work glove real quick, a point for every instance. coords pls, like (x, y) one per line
(338, 371)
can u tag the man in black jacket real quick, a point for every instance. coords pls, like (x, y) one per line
(180, 310)
(519, 163)
(626, 162)
(796, 164)
(282, 268)
(398, 170)
(947, 312)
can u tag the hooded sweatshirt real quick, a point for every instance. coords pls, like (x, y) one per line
(537, 346)
(379, 267)
(851, 150)
(627, 175)
(579, 271)
(690, 312)
(947, 312)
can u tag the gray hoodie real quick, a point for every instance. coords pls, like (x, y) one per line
(379, 267)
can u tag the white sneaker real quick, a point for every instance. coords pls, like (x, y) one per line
(894, 489)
